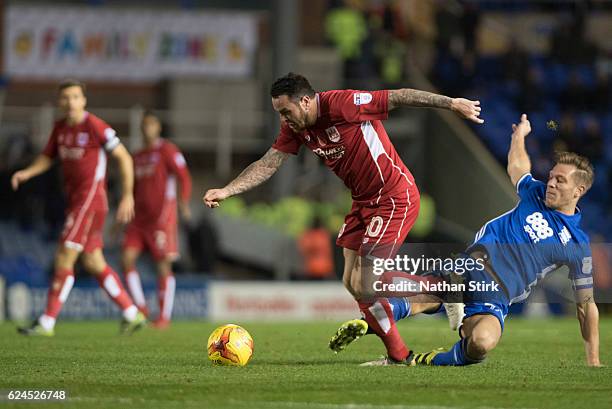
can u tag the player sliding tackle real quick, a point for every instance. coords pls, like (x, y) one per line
(519, 248)
(344, 128)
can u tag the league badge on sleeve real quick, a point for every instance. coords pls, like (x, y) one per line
(362, 98)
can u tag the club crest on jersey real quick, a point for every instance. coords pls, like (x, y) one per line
(82, 138)
(333, 134)
(565, 236)
(362, 98)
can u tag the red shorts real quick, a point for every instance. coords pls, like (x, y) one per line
(379, 229)
(159, 239)
(84, 229)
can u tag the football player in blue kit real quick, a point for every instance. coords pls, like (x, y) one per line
(539, 235)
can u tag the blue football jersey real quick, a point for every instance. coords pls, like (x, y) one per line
(531, 240)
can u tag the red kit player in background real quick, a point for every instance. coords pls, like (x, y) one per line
(82, 141)
(344, 128)
(157, 168)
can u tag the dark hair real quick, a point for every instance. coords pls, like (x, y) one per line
(71, 82)
(150, 112)
(584, 169)
(292, 85)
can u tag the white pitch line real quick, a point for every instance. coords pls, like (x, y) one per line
(266, 404)
(313, 405)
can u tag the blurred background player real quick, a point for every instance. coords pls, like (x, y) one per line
(344, 128)
(154, 228)
(317, 252)
(81, 141)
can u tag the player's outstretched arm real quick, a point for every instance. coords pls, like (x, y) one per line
(588, 316)
(125, 210)
(41, 164)
(518, 159)
(253, 175)
(415, 98)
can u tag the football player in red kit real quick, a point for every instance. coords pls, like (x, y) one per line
(82, 142)
(344, 128)
(157, 167)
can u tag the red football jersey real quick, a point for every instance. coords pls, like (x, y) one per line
(351, 139)
(82, 151)
(156, 171)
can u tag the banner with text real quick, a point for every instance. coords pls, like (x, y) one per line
(268, 300)
(126, 45)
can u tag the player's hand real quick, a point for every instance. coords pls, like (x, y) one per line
(523, 128)
(18, 178)
(213, 197)
(125, 211)
(467, 109)
(185, 211)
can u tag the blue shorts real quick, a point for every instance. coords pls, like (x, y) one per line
(498, 310)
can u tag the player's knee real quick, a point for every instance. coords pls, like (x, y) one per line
(93, 265)
(164, 268)
(65, 258)
(127, 262)
(482, 342)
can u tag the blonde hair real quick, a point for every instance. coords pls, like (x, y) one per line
(585, 174)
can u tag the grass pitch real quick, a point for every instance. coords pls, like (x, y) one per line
(538, 364)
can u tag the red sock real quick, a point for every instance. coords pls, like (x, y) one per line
(379, 317)
(165, 293)
(134, 284)
(110, 282)
(63, 280)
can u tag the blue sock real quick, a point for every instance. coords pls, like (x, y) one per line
(401, 308)
(456, 356)
(439, 309)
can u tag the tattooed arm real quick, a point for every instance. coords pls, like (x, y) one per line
(253, 175)
(588, 317)
(414, 98)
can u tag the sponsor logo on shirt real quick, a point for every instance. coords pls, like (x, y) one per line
(333, 134)
(71, 153)
(144, 170)
(362, 98)
(335, 152)
(537, 227)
